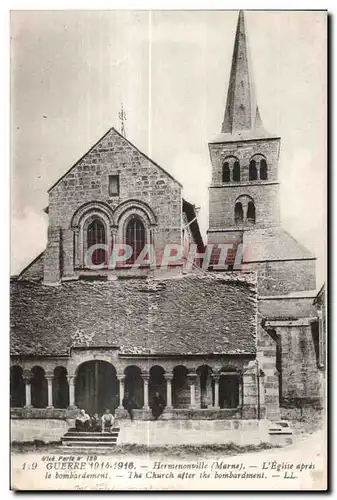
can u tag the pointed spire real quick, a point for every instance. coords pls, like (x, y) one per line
(241, 113)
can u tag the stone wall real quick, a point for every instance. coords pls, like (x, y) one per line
(243, 151)
(301, 378)
(46, 430)
(161, 432)
(287, 307)
(222, 203)
(188, 432)
(264, 193)
(284, 276)
(52, 261)
(139, 179)
(183, 414)
(266, 356)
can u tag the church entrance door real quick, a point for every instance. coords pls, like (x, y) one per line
(96, 387)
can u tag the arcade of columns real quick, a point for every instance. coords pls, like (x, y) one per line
(247, 387)
(192, 378)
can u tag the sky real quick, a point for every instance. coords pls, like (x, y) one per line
(71, 70)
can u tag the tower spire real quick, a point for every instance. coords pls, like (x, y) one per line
(241, 113)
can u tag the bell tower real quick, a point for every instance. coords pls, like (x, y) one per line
(244, 193)
(244, 210)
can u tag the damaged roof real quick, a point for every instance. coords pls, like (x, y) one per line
(192, 314)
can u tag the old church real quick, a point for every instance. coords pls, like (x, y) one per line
(232, 343)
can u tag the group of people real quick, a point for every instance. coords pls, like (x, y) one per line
(105, 423)
(157, 406)
(85, 423)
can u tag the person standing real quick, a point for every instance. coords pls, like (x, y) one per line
(157, 405)
(129, 404)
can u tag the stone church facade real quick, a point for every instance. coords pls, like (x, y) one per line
(224, 344)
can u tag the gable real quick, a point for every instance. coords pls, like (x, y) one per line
(109, 148)
(115, 159)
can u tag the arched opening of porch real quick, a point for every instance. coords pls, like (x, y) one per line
(229, 388)
(157, 383)
(60, 388)
(17, 387)
(206, 386)
(133, 384)
(180, 387)
(96, 387)
(39, 388)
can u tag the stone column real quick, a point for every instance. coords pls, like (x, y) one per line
(121, 378)
(216, 378)
(145, 377)
(112, 241)
(169, 377)
(49, 377)
(76, 247)
(80, 247)
(71, 382)
(209, 391)
(198, 392)
(152, 253)
(261, 388)
(250, 392)
(27, 375)
(240, 392)
(192, 378)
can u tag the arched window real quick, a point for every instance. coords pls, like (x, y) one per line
(238, 212)
(96, 235)
(251, 212)
(226, 174)
(236, 172)
(263, 170)
(135, 237)
(252, 170)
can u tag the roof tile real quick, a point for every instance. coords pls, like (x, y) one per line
(207, 314)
